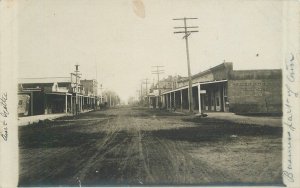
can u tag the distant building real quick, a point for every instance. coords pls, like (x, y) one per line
(51, 95)
(165, 84)
(90, 91)
(223, 89)
(90, 87)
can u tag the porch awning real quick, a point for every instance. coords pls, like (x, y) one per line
(58, 93)
(194, 84)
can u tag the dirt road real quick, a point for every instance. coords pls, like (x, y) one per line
(134, 146)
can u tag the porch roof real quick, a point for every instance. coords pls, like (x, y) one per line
(44, 80)
(194, 84)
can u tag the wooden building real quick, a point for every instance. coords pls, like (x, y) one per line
(222, 89)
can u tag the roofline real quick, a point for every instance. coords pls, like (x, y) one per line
(41, 80)
(224, 64)
(260, 70)
(195, 84)
(45, 77)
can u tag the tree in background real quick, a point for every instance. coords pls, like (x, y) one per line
(111, 98)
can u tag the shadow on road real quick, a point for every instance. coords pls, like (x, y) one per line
(211, 130)
(47, 135)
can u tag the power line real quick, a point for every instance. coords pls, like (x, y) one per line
(146, 82)
(77, 80)
(158, 71)
(187, 33)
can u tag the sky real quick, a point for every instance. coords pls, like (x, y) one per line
(118, 41)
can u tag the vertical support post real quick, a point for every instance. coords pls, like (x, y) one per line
(174, 99)
(188, 98)
(167, 101)
(80, 103)
(45, 104)
(223, 96)
(31, 104)
(76, 103)
(170, 100)
(66, 103)
(71, 103)
(181, 100)
(199, 99)
(109, 100)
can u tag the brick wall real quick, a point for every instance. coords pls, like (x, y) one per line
(255, 91)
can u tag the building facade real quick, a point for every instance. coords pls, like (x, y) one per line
(52, 95)
(222, 89)
(166, 84)
(90, 92)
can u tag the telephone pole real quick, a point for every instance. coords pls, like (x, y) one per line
(76, 89)
(158, 71)
(146, 82)
(187, 33)
(142, 93)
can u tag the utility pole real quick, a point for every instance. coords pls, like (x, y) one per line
(95, 92)
(158, 71)
(141, 93)
(77, 80)
(110, 100)
(186, 35)
(146, 89)
(137, 95)
(101, 94)
(146, 85)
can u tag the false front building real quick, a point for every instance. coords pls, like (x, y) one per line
(54, 95)
(222, 89)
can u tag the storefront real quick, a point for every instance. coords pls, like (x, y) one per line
(222, 89)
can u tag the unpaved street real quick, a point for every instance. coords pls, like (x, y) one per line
(135, 146)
